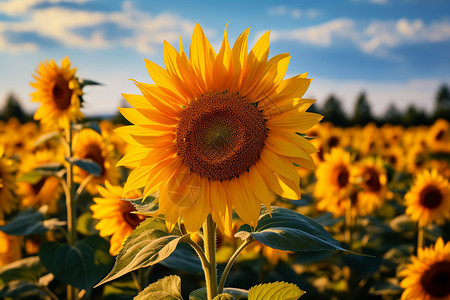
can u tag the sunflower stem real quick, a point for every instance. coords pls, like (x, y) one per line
(420, 237)
(70, 204)
(209, 230)
(230, 263)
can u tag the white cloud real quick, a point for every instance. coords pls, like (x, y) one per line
(89, 29)
(294, 13)
(376, 37)
(16, 7)
(416, 91)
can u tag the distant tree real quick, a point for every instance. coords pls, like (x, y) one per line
(414, 117)
(362, 114)
(442, 109)
(392, 116)
(313, 108)
(12, 109)
(332, 111)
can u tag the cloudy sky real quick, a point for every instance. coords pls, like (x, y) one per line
(395, 50)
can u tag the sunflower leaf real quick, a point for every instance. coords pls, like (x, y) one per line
(26, 269)
(46, 137)
(235, 293)
(86, 82)
(286, 229)
(275, 291)
(148, 205)
(167, 288)
(88, 165)
(28, 221)
(81, 265)
(149, 244)
(91, 125)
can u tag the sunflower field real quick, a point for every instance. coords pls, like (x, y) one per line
(221, 183)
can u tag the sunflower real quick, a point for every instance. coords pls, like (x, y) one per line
(218, 131)
(91, 145)
(333, 184)
(438, 136)
(428, 275)
(7, 185)
(428, 200)
(115, 215)
(371, 179)
(9, 248)
(59, 92)
(47, 190)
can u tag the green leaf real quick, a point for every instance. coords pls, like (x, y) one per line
(50, 169)
(146, 206)
(29, 221)
(23, 290)
(86, 224)
(86, 82)
(183, 259)
(88, 165)
(167, 288)
(81, 265)
(31, 177)
(47, 137)
(27, 269)
(224, 296)
(402, 223)
(289, 230)
(275, 291)
(149, 244)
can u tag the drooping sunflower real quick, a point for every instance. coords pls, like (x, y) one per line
(370, 176)
(8, 201)
(333, 184)
(427, 277)
(91, 145)
(115, 215)
(428, 200)
(58, 91)
(47, 190)
(438, 136)
(218, 131)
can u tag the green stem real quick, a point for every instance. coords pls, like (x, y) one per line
(230, 263)
(209, 230)
(420, 237)
(70, 205)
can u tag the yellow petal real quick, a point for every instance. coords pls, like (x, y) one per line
(279, 164)
(243, 200)
(222, 211)
(295, 121)
(195, 216)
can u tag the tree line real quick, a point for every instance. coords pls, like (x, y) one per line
(331, 109)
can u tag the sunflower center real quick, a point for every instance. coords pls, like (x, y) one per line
(131, 219)
(62, 94)
(333, 142)
(440, 135)
(342, 176)
(436, 280)
(430, 197)
(220, 135)
(371, 180)
(38, 185)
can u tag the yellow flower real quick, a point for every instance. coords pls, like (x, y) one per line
(91, 145)
(371, 178)
(438, 136)
(47, 190)
(7, 185)
(428, 200)
(217, 131)
(58, 91)
(9, 248)
(333, 184)
(115, 215)
(428, 275)
(395, 156)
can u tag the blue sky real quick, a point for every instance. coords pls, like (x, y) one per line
(395, 50)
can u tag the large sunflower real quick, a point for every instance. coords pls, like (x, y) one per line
(7, 185)
(115, 215)
(47, 190)
(59, 92)
(438, 136)
(91, 145)
(333, 184)
(428, 275)
(428, 200)
(218, 131)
